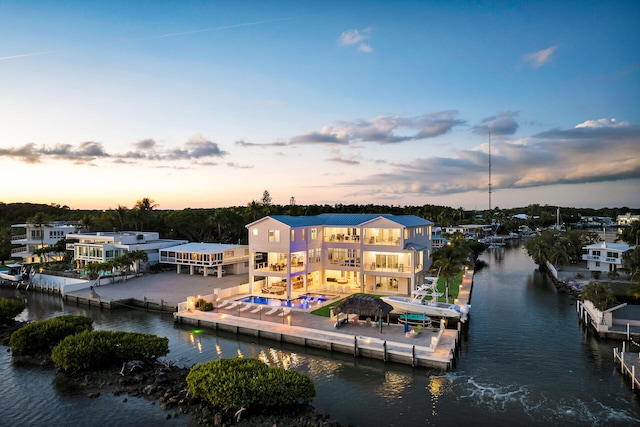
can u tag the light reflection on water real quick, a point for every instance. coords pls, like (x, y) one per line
(524, 361)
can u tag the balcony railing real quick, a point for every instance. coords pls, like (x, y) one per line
(608, 260)
(20, 250)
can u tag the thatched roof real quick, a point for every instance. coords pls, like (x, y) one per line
(363, 306)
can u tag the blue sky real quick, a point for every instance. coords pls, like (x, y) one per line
(209, 103)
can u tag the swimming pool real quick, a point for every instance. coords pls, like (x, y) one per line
(303, 301)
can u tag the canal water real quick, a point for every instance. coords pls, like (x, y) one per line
(524, 361)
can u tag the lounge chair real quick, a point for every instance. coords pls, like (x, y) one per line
(224, 303)
(257, 309)
(273, 310)
(246, 307)
(285, 312)
(233, 305)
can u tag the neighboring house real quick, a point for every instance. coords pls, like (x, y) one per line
(470, 231)
(208, 258)
(437, 239)
(32, 237)
(627, 219)
(103, 246)
(604, 256)
(379, 253)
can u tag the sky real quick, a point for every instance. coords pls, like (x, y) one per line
(204, 104)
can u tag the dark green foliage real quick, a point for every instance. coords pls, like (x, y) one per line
(45, 334)
(202, 305)
(245, 383)
(9, 309)
(600, 295)
(102, 349)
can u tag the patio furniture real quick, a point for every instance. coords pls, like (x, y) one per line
(273, 310)
(233, 305)
(257, 309)
(246, 307)
(285, 312)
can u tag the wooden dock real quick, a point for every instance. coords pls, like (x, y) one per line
(629, 365)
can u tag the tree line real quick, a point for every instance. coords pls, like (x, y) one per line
(228, 224)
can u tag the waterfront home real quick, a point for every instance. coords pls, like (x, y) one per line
(207, 258)
(470, 231)
(103, 246)
(31, 237)
(627, 219)
(604, 256)
(377, 253)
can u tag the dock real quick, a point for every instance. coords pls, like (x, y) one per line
(629, 364)
(432, 348)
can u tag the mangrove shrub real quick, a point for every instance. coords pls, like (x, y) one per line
(9, 309)
(43, 335)
(245, 383)
(102, 349)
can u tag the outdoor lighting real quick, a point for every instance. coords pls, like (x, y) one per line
(289, 320)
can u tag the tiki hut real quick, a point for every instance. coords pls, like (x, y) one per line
(363, 306)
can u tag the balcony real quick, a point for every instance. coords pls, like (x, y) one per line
(22, 250)
(603, 259)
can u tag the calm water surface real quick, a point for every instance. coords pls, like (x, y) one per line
(524, 361)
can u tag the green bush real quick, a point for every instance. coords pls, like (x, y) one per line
(45, 334)
(202, 305)
(103, 349)
(9, 309)
(244, 383)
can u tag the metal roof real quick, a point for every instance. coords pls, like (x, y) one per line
(351, 219)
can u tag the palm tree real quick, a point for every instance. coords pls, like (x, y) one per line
(449, 261)
(143, 208)
(599, 294)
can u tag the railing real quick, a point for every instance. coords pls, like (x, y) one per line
(401, 268)
(19, 237)
(609, 260)
(20, 250)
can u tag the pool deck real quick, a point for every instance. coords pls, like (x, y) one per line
(432, 347)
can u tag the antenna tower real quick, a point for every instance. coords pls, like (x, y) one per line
(489, 172)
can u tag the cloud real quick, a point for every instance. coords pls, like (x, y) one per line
(594, 151)
(356, 37)
(197, 147)
(502, 124)
(540, 58)
(383, 130)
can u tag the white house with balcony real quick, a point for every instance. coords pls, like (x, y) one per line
(627, 219)
(30, 237)
(103, 246)
(207, 258)
(605, 256)
(375, 253)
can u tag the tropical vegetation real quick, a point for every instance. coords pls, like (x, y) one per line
(43, 335)
(559, 247)
(600, 295)
(9, 309)
(92, 350)
(248, 383)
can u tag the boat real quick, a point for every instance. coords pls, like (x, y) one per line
(415, 319)
(424, 300)
(13, 273)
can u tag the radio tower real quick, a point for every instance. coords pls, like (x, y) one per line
(490, 174)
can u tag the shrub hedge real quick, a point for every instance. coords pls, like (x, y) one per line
(245, 383)
(9, 309)
(90, 350)
(43, 335)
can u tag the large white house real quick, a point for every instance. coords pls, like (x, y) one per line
(103, 246)
(31, 237)
(605, 256)
(381, 253)
(207, 258)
